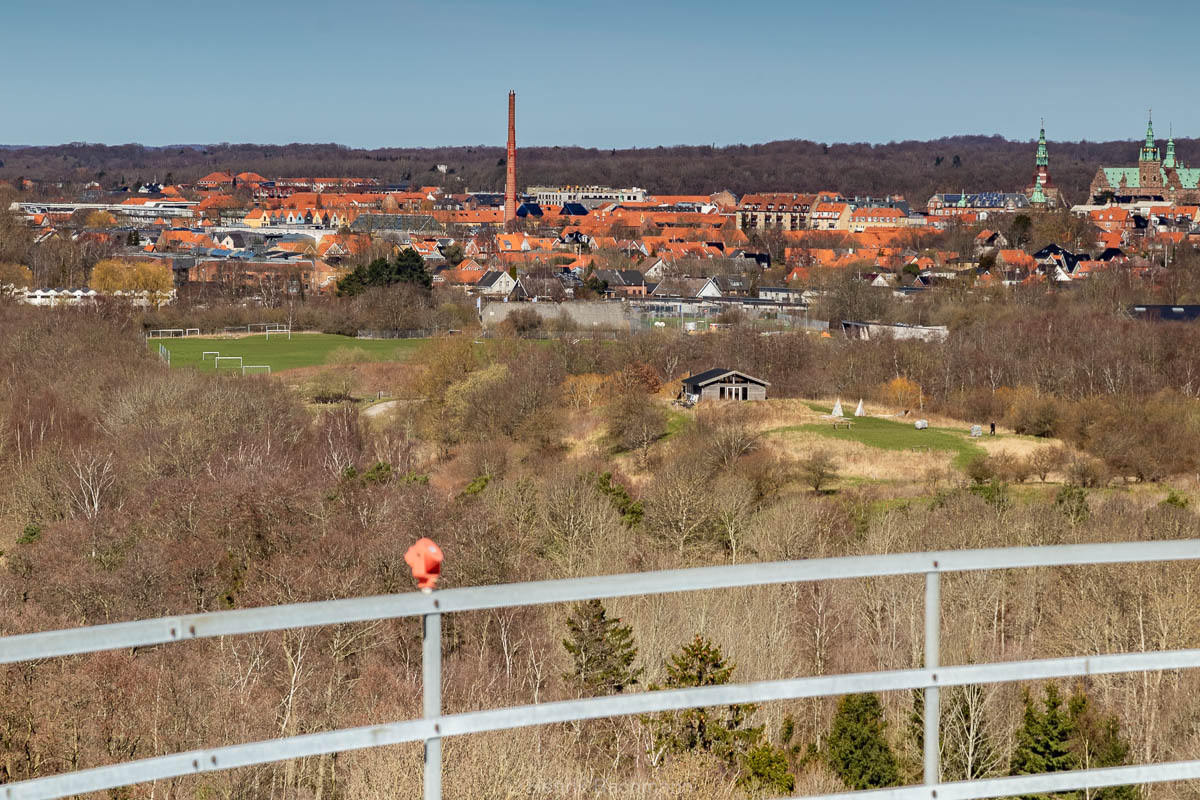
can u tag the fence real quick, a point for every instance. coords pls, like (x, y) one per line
(435, 725)
(416, 333)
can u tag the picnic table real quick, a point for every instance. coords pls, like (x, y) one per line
(838, 423)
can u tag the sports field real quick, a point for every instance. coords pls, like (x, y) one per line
(280, 353)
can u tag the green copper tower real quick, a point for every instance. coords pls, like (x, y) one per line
(1169, 162)
(1041, 170)
(1149, 149)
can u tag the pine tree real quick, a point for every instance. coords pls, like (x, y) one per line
(765, 771)
(858, 752)
(727, 735)
(602, 650)
(409, 267)
(1097, 743)
(1044, 741)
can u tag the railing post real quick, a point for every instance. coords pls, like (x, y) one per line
(432, 685)
(933, 710)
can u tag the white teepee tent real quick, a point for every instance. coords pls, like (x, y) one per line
(858, 412)
(837, 408)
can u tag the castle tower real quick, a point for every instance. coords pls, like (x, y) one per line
(1037, 198)
(1042, 192)
(510, 184)
(1169, 162)
(1041, 171)
(1149, 166)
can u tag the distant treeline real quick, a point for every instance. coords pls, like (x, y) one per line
(914, 169)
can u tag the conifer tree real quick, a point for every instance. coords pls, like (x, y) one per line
(602, 650)
(858, 752)
(1044, 740)
(761, 767)
(1097, 743)
(728, 735)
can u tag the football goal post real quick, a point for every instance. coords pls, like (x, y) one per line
(278, 331)
(218, 359)
(163, 333)
(204, 356)
(267, 367)
(192, 332)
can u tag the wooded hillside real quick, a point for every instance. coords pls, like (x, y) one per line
(914, 169)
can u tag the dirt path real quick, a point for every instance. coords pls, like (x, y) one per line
(380, 408)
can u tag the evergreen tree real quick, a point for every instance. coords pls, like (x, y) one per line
(408, 267)
(727, 735)
(858, 752)
(602, 650)
(1097, 743)
(765, 771)
(1044, 741)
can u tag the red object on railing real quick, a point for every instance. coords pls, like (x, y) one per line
(425, 559)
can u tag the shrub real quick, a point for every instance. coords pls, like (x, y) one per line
(30, 534)
(980, 469)
(1175, 499)
(1037, 416)
(901, 392)
(1087, 472)
(992, 492)
(818, 469)
(1072, 501)
(521, 322)
(328, 386)
(1045, 460)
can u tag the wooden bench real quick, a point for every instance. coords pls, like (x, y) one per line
(839, 423)
(922, 448)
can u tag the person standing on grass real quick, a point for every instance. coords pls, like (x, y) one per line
(993, 430)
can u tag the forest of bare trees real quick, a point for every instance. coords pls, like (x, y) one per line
(130, 490)
(911, 168)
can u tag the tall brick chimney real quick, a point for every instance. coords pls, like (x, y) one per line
(510, 185)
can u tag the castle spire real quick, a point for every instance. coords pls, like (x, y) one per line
(1043, 156)
(1169, 162)
(1041, 164)
(1149, 149)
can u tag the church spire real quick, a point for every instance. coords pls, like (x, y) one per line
(1169, 162)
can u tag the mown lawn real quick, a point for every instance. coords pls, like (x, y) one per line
(889, 434)
(279, 352)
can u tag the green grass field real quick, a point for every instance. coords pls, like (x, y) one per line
(279, 352)
(889, 434)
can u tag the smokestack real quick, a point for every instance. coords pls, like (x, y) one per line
(510, 185)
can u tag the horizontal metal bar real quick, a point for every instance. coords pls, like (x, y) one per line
(162, 767)
(1018, 785)
(141, 633)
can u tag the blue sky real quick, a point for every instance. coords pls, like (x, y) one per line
(370, 73)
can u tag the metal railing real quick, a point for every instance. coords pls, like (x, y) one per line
(435, 725)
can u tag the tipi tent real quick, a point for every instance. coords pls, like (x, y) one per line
(858, 412)
(837, 408)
